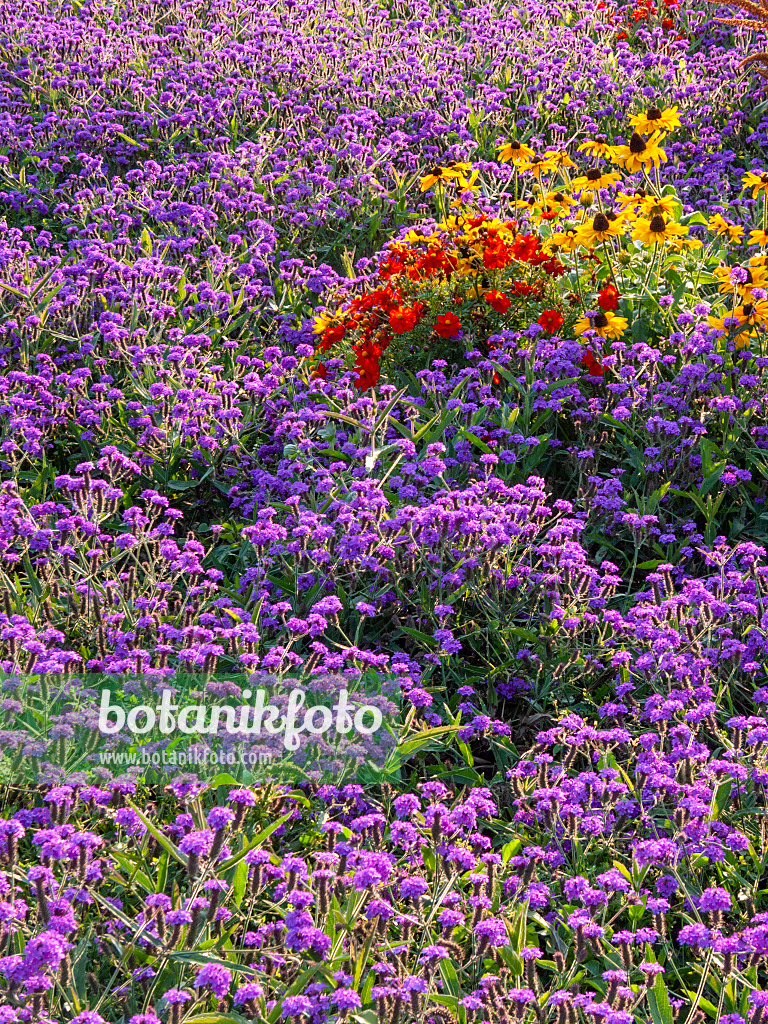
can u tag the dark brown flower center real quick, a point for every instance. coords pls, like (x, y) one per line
(657, 224)
(593, 174)
(558, 197)
(653, 114)
(764, 179)
(636, 144)
(748, 309)
(600, 223)
(600, 321)
(611, 215)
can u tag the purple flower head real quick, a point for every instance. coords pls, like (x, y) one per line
(217, 978)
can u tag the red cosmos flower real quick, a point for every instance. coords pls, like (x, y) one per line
(593, 367)
(320, 371)
(496, 255)
(331, 335)
(608, 298)
(551, 320)
(498, 300)
(525, 247)
(367, 358)
(522, 288)
(435, 261)
(404, 319)
(667, 24)
(447, 325)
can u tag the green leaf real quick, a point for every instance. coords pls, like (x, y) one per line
(239, 883)
(256, 841)
(217, 1018)
(205, 958)
(164, 841)
(659, 1004)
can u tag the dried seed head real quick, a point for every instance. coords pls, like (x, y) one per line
(657, 223)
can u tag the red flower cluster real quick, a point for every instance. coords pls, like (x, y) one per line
(661, 11)
(464, 253)
(593, 367)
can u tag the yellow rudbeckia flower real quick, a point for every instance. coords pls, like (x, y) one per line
(601, 227)
(605, 323)
(565, 240)
(595, 178)
(514, 152)
(601, 149)
(654, 119)
(641, 153)
(722, 227)
(656, 230)
(757, 182)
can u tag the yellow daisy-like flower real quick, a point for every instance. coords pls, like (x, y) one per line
(598, 149)
(452, 172)
(641, 153)
(600, 228)
(514, 152)
(722, 275)
(564, 240)
(559, 201)
(605, 323)
(322, 322)
(757, 182)
(416, 238)
(755, 314)
(756, 277)
(529, 205)
(678, 243)
(758, 260)
(758, 238)
(654, 119)
(630, 201)
(657, 230)
(746, 320)
(722, 227)
(744, 334)
(595, 178)
(560, 158)
(665, 205)
(539, 165)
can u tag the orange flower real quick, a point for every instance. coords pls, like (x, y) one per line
(447, 325)
(608, 298)
(498, 300)
(551, 320)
